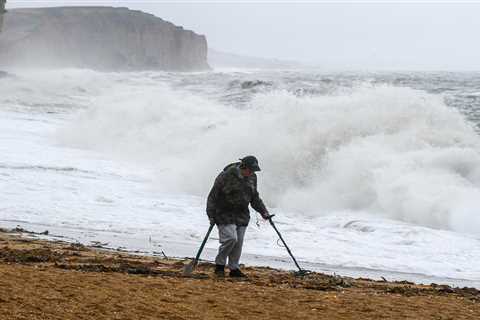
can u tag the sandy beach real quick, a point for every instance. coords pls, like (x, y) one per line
(58, 280)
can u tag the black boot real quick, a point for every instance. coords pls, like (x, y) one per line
(220, 270)
(236, 273)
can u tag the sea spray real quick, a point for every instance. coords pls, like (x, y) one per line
(395, 152)
(339, 160)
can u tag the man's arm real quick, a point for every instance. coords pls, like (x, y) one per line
(257, 203)
(213, 197)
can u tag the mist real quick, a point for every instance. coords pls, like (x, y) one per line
(115, 126)
(360, 36)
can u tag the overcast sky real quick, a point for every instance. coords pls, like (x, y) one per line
(347, 35)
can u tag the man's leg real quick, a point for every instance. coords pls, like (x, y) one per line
(236, 252)
(228, 238)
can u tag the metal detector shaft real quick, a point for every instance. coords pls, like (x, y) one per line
(285, 244)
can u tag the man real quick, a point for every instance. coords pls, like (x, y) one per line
(227, 207)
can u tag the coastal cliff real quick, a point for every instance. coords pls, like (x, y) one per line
(102, 38)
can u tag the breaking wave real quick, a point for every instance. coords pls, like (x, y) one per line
(43, 168)
(395, 152)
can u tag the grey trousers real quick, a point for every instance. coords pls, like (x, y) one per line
(231, 243)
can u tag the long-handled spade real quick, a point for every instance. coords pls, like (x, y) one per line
(188, 269)
(300, 272)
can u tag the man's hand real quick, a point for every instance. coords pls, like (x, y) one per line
(212, 220)
(267, 216)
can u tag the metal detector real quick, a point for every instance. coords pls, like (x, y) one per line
(301, 272)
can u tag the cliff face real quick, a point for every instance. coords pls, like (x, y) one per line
(219, 59)
(99, 38)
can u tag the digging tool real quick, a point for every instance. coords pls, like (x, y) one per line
(300, 272)
(188, 269)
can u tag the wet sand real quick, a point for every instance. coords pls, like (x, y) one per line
(57, 280)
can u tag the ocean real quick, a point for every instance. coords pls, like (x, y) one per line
(368, 174)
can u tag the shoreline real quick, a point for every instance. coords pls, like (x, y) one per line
(134, 245)
(85, 283)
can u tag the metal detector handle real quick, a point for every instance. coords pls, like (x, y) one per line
(204, 242)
